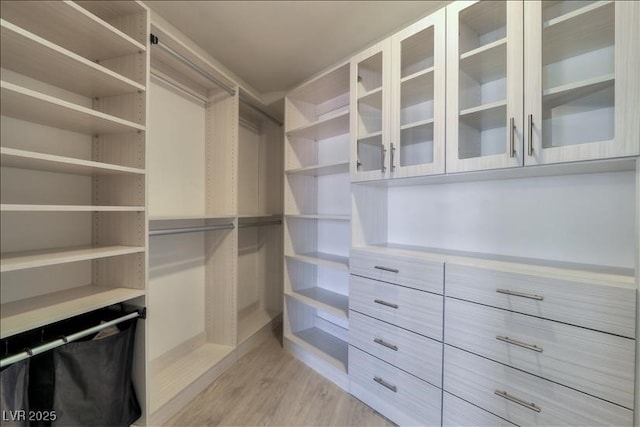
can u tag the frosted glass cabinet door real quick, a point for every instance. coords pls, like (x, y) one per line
(370, 100)
(417, 139)
(582, 89)
(484, 85)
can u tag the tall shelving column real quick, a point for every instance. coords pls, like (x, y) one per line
(317, 223)
(74, 97)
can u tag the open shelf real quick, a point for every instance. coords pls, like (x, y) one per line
(251, 320)
(328, 127)
(322, 299)
(12, 261)
(486, 63)
(329, 347)
(26, 104)
(73, 27)
(28, 54)
(586, 29)
(22, 159)
(30, 313)
(417, 90)
(321, 170)
(319, 258)
(67, 208)
(179, 375)
(486, 116)
(324, 88)
(566, 93)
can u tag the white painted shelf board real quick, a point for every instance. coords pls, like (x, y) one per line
(109, 9)
(417, 124)
(319, 258)
(176, 377)
(28, 54)
(325, 345)
(417, 90)
(372, 135)
(12, 261)
(321, 217)
(328, 127)
(486, 63)
(73, 27)
(32, 106)
(487, 116)
(322, 299)
(566, 93)
(328, 86)
(5, 207)
(21, 159)
(27, 314)
(253, 319)
(372, 98)
(417, 74)
(321, 170)
(566, 37)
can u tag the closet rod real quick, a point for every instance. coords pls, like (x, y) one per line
(155, 41)
(184, 230)
(177, 87)
(27, 353)
(256, 224)
(261, 111)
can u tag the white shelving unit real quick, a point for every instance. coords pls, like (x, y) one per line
(74, 96)
(317, 222)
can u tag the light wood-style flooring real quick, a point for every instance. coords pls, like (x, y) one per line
(269, 387)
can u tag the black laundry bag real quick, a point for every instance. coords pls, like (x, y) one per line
(14, 400)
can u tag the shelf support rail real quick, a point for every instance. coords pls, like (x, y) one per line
(183, 230)
(30, 352)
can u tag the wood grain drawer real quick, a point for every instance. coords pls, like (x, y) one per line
(418, 311)
(458, 413)
(406, 350)
(522, 398)
(595, 306)
(401, 270)
(594, 362)
(399, 396)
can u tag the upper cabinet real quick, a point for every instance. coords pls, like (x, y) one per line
(582, 90)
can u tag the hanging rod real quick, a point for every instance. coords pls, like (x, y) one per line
(261, 111)
(155, 41)
(184, 230)
(168, 82)
(257, 224)
(27, 353)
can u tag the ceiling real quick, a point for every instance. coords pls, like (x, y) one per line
(274, 45)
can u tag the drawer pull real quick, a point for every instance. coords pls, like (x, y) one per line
(528, 405)
(520, 294)
(387, 304)
(386, 384)
(391, 270)
(385, 344)
(519, 343)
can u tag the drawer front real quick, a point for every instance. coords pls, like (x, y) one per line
(418, 311)
(522, 398)
(458, 413)
(397, 395)
(600, 307)
(410, 352)
(411, 272)
(593, 362)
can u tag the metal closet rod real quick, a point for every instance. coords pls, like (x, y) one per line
(184, 230)
(257, 224)
(155, 41)
(30, 352)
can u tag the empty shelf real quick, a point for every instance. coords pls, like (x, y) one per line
(321, 170)
(326, 128)
(322, 299)
(252, 319)
(417, 90)
(412, 125)
(326, 87)
(323, 344)
(372, 99)
(486, 116)
(329, 260)
(486, 63)
(566, 93)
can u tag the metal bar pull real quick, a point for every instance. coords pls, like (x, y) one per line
(512, 129)
(386, 384)
(520, 294)
(519, 343)
(385, 344)
(391, 160)
(391, 270)
(383, 154)
(387, 304)
(528, 405)
(530, 129)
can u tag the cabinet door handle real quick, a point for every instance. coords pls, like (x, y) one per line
(391, 270)
(386, 384)
(386, 304)
(520, 294)
(530, 132)
(383, 153)
(512, 145)
(528, 405)
(385, 344)
(519, 343)
(391, 159)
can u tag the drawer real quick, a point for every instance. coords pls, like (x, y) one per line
(458, 413)
(406, 271)
(595, 306)
(406, 350)
(522, 398)
(418, 311)
(403, 398)
(594, 362)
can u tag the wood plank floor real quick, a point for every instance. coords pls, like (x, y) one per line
(269, 387)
